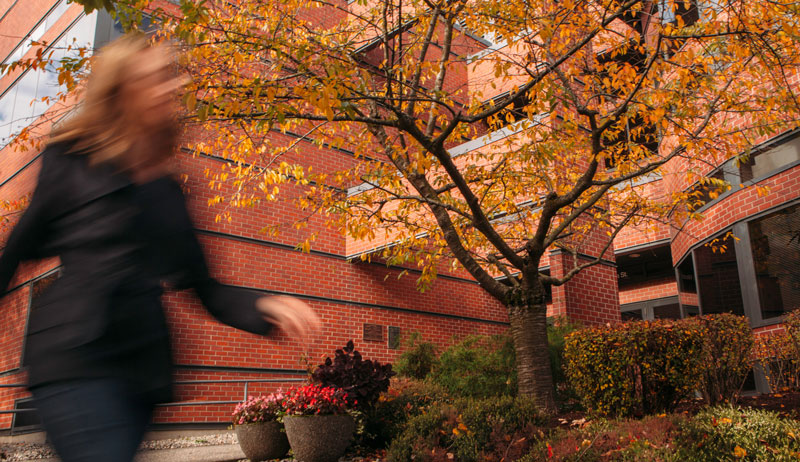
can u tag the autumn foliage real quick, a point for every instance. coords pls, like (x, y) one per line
(483, 134)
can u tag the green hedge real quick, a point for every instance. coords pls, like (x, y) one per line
(634, 368)
(727, 351)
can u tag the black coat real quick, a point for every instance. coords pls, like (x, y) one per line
(118, 241)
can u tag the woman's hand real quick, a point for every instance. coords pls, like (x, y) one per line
(291, 315)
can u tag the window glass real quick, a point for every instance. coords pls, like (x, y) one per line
(669, 311)
(769, 160)
(702, 193)
(17, 106)
(631, 315)
(775, 243)
(718, 278)
(687, 282)
(691, 310)
(37, 33)
(644, 266)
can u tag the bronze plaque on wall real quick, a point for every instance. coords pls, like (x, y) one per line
(373, 333)
(394, 337)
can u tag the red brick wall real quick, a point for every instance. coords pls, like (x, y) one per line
(783, 187)
(648, 290)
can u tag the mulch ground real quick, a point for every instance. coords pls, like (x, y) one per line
(786, 404)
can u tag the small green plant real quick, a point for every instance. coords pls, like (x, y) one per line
(730, 434)
(418, 359)
(557, 333)
(478, 367)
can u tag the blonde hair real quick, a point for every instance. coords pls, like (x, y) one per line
(103, 128)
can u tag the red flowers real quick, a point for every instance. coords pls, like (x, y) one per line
(315, 400)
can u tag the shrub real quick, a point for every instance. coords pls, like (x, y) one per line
(779, 356)
(727, 352)
(557, 333)
(418, 359)
(363, 380)
(479, 367)
(258, 409)
(726, 433)
(792, 323)
(634, 368)
(467, 430)
(404, 399)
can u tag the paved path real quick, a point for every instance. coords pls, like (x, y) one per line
(222, 453)
(228, 452)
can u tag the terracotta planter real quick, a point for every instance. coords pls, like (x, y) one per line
(319, 438)
(262, 440)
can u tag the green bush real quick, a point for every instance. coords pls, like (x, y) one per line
(723, 433)
(418, 359)
(727, 352)
(478, 367)
(467, 430)
(404, 400)
(634, 368)
(557, 333)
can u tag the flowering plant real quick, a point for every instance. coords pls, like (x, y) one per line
(259, 409)
(315, 400)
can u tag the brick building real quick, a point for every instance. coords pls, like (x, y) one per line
(653, 273)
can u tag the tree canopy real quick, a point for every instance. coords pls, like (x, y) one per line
(483, 132)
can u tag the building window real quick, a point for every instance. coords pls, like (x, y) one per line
(631, 139)
(775, 244)
(690, 11)
(36, 34)
(767, 161)
(708, 190)
(649, 310)
(686, 281)
(667, 311)
(29, 97)
(718, 277)
(641, 267)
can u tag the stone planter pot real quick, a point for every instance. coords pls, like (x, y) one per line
(262, 440)
(319, 438)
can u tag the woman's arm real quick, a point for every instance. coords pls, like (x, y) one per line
(31, 229)
(241, 308)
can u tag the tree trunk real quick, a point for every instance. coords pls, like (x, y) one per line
(529, 331)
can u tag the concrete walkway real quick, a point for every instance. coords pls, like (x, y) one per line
(207, 453)
(222, 453)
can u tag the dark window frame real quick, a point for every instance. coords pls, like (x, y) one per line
(745, 266)
(647, 306)
(732, 170)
